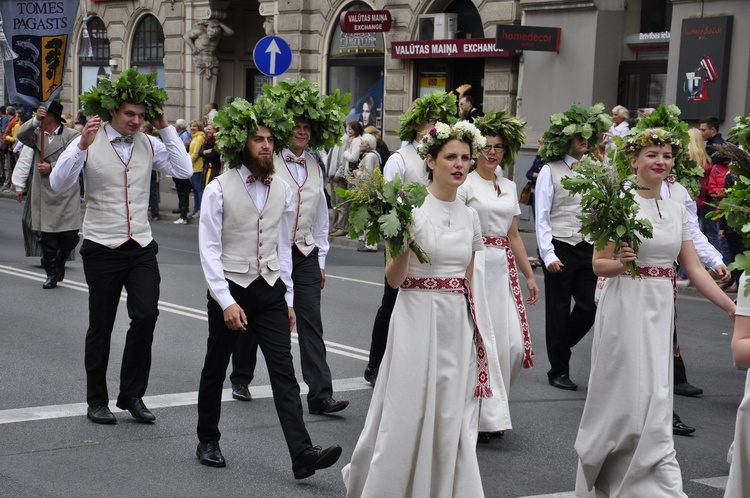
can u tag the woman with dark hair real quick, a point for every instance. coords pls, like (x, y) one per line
(211, 158)
(419, 438)
(368, 112)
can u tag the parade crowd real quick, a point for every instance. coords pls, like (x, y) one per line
(451, 335)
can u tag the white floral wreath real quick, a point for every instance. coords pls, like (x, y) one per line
(442, 132)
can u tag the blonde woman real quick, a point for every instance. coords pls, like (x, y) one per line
(196, 145)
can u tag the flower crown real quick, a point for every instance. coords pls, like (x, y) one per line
(651, 136)
(442, 132)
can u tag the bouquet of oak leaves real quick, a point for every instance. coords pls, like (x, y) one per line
(608, 207)
(383, 211)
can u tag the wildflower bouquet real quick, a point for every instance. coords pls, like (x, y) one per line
(383, 210)
(608, 207)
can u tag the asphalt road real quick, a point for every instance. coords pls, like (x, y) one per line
(49, 449)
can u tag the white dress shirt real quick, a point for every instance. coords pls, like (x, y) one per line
(319, 227)
(707, 253)
(544, 193)
(209, 232)
(170, 157)
(395, 164)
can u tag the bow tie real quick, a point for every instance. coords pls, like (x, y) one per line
(294, 159)
(123, 139)
(266, 179)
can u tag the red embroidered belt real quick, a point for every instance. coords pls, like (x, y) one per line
(504, 242)
(459, 286)
(662, 272)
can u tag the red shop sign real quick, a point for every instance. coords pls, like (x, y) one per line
(365, 21)
(463, 48)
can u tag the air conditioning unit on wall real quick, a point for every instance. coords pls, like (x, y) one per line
(437, 26)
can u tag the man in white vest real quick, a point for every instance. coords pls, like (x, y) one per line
(308, 239)
(118, 249)
(566, 253)
(246, 257)
(56, 215)
(405, 162)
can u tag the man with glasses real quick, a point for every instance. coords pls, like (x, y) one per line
(405, 162)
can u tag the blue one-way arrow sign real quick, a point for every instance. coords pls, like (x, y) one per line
(272, 56)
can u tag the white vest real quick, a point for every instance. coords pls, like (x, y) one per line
(415, 169)
(566, 227)
(250, 239)
(117, 193)
(307, 196)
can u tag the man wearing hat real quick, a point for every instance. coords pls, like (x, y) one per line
(247, 262)
(57, 215)
(118, 249)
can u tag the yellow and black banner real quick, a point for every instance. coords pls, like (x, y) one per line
(40, 32)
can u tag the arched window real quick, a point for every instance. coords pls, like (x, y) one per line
(355, 65)
(148, 48)
(92, 68)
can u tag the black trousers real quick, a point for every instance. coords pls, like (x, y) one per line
(565, 327)
(107, 271)
(183, 188)
(56, 247)
(268, 322)
(380, 326)
(315, 371)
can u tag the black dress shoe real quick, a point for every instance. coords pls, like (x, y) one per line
(371, 375)
(483, 437)
(241, 392)
(329, 405)
(210, 454)
(51, 282)
(685, 389)
(315, 458)
(136, 408)
(679, 428)
(100, 415)
(563, 382)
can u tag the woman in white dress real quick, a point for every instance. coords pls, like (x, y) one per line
(495, 199)
(625, 440)
(738, 485)
(419, 438)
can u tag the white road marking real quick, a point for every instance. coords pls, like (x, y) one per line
(36, 413)
(331, 347)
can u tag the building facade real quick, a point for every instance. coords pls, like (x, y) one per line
(634, 53)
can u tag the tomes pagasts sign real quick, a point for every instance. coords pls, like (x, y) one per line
(534, 38)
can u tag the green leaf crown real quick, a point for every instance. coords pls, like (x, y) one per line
(240, 119)
(577, 120)
(506, 125)
(443, 132)
(303, 100)
(132, 86)
(439, 103)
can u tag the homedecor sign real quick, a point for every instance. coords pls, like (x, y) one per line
(463, 48)
(512, 37)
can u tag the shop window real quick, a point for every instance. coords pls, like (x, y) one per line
(147, 52)
(355, 65)
(94, 67)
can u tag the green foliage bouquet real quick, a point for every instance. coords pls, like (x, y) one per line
(608, 207)
(325, 113)
(384, 210)
(735, 206)
(240, 119)
(740, 133)
(132, 86)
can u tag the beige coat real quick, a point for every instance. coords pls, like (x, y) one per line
(51, 211)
